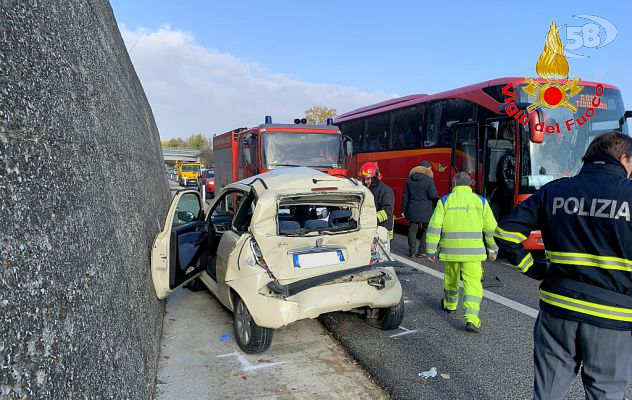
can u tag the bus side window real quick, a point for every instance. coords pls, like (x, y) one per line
(452, 112)
(433, 112)
(378, 135)
(407, 126)
(355, 130)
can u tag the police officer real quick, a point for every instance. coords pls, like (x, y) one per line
(458, 225)
(382, 194)
(586, 295)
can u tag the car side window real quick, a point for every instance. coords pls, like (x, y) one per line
(187, 210)
(224, 210)
(243, 217)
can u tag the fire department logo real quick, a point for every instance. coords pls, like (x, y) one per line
(552, 66)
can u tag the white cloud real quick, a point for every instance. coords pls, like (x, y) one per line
(194, 89)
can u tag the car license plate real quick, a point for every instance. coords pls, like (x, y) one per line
(320, 259)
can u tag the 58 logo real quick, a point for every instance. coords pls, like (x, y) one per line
(593, 35)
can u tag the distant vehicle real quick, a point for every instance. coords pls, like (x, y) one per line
(188, 173)
(207, 182)
(244, 152)
(466, 129)
(283, 246)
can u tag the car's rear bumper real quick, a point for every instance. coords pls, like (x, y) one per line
(271, 310)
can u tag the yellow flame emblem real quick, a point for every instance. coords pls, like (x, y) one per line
(552, 66)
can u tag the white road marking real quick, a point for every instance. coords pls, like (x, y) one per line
(247, 366)
(406, 332)
(490, 295)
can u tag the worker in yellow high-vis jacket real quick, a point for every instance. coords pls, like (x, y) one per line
(458, 225)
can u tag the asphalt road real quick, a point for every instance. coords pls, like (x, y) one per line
(495, 364)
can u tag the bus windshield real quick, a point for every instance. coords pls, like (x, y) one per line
(298, 149)
(561, 153)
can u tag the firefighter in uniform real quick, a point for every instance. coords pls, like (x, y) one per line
(382, 194)
(458, 225)
(586, 294)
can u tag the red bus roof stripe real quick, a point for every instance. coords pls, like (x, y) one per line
(473, 93)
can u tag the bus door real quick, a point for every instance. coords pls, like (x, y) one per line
(498, 177)
(465, 153)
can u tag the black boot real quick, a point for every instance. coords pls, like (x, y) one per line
(471, 328)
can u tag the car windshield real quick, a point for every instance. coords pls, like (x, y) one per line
(299, 149)
(193, 168)
(561, 152)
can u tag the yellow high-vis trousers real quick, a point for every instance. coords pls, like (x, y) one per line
(471, 272)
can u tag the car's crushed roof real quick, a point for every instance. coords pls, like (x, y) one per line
(292, 178)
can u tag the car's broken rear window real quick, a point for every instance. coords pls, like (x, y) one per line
(316, 214)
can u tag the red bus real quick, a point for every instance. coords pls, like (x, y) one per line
(467, 129)
(243, 152)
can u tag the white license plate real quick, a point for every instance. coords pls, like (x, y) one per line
(315, 260)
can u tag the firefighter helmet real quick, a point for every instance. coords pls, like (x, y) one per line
(370, 170)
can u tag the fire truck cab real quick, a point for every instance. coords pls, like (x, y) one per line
(245, 152)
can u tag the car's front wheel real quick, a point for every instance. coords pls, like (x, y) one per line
(387, 318)
(250, 337)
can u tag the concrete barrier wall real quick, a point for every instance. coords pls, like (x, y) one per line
(82, 195)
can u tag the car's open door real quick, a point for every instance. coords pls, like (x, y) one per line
(175, 256)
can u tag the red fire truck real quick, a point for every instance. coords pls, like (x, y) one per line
(245, 152)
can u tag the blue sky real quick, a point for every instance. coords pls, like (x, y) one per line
(362, 51)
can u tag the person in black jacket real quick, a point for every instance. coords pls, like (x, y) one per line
(382, 195)
(417, 199)
(585, 314)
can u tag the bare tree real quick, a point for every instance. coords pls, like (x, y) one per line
(319, 114)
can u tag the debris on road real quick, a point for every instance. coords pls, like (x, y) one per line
(445, 376)
(225, 338)
(431, 373)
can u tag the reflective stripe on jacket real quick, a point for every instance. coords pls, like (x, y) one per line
(384, 203)
(458, 225)
(587, 232)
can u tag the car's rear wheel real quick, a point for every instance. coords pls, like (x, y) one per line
(250, 337)
(387, 318)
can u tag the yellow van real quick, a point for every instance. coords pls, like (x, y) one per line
(188, 173)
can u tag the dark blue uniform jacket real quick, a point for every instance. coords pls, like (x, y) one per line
(587, 232)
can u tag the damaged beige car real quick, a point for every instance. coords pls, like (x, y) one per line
(282, 246)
